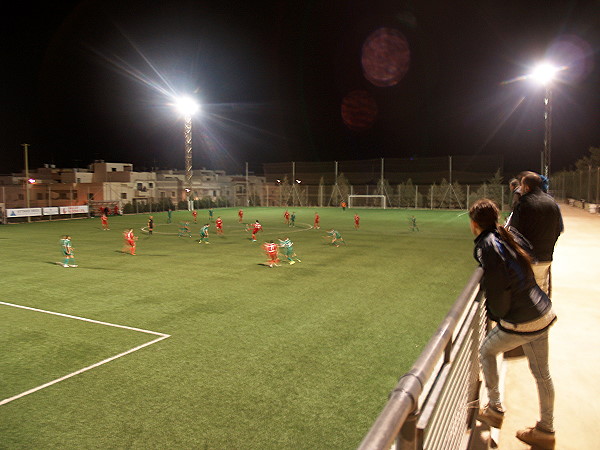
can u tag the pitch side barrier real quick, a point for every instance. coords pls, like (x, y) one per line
(433, 405)
(43, 213)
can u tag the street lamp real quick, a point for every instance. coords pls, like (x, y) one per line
(187, 108)
(544, 74)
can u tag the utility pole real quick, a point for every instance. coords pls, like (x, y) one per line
(247, 187)
(26, 150)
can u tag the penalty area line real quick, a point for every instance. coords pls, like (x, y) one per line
(160, 337)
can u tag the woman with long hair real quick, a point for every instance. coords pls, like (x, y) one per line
(523, 315)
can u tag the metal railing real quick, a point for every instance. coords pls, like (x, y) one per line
(429, 407)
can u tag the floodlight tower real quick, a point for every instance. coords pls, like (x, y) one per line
(188, 107)
(544, 74)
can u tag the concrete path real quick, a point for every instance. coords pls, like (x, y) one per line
(574, 345)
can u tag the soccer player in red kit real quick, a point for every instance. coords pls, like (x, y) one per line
(256, 227)
(195, 214)
(286, 217)
(104, 219)
(356, 222)
(316, 226)
(219, 225)
(129, 240)
(271, 249)
(241, 215)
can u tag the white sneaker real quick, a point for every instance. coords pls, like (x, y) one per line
(65, 265)
(72, 265)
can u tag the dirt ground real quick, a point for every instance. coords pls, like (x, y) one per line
(574, 345)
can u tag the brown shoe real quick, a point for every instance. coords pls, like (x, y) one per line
(492, 416)
(538, 438)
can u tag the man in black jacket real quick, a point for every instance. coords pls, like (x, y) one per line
(537, 217)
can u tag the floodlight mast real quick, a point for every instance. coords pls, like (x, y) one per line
(188, 157)
(544, 74)
(187, 107)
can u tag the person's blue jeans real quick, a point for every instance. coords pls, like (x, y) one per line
(535, 348)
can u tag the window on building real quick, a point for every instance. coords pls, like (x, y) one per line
(140, 186)
(151, 185)
(62, 195)
(124, 195)
(40, 196)
(162, 194)
(79, 180)
(114, 169)
(75, 195)
(214, 193)
(172, 194)
(90, 196)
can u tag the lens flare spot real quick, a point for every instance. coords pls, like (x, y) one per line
(359, 110)
(385, 57)
(575, 54)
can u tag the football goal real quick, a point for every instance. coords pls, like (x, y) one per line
(366, 201)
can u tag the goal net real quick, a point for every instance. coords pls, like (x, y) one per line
(366, 201)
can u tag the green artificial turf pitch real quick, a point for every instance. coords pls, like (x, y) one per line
(299, 356)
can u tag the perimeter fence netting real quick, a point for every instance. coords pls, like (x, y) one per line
(443, 182)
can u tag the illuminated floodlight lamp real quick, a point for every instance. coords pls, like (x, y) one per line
(298, 181)
(187, 106)
(544, 73)
(31, 181)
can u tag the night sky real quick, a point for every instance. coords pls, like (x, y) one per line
(296, 80)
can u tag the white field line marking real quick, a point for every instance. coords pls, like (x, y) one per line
(85, 369)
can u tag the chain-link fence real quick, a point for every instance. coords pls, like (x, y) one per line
(403, 195)
(582, 185)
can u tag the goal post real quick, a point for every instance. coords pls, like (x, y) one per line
(367, 201)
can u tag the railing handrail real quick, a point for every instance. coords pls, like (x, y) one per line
(404, 398)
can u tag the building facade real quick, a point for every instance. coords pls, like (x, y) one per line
(118, 184)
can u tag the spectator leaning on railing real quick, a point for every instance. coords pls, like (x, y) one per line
(537, 217)
(523, 315)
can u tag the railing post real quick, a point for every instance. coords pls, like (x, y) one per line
(407, 438)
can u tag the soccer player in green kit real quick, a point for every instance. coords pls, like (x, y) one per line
(288, 250)
(335, 237)
(67, 250)
(204, 234)
(413, 224)
(184, 229)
